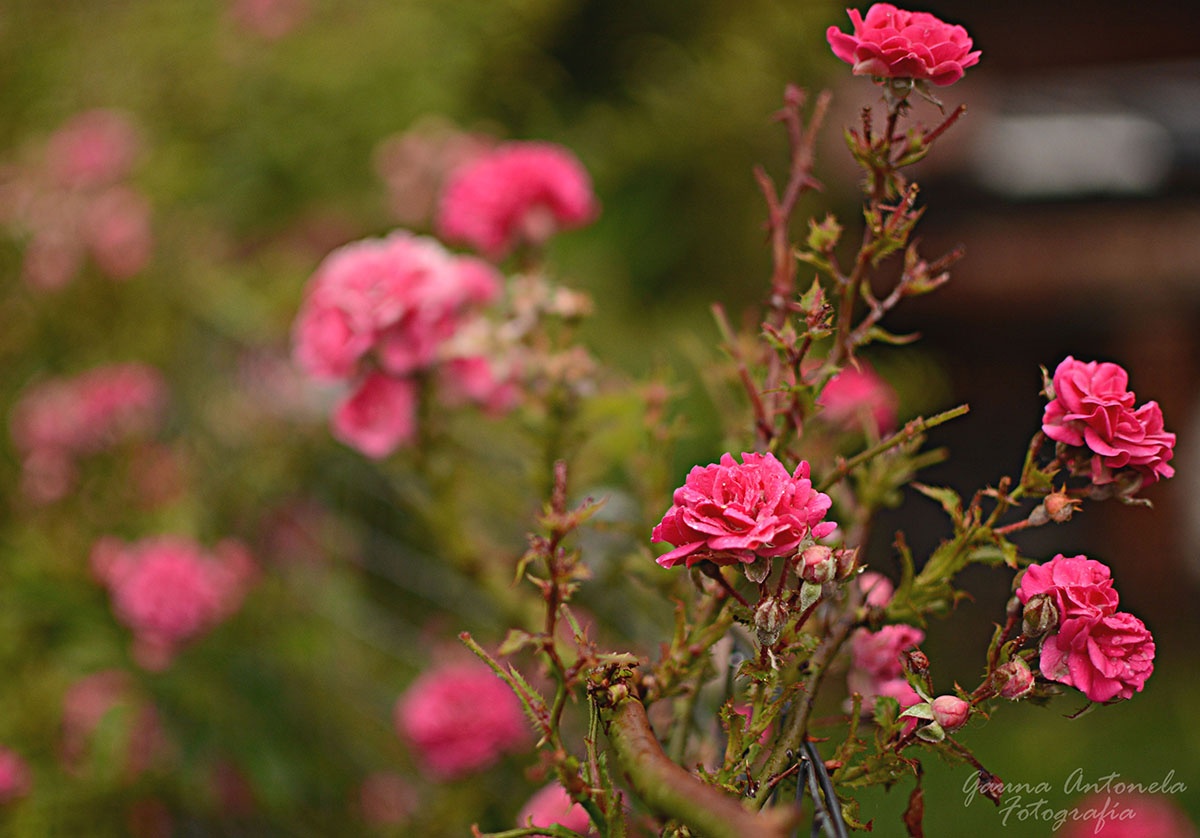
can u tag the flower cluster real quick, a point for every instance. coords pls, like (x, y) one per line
(1091, 414)
(1104, 653)
(732, 512)
(385, 314)
(168, 590)
(460, 718)
(77, 202)
(58, 421)
(519, 193)
(891, 43)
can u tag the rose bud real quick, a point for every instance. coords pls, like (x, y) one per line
(769, 619)
(1015, 679)
(847, 561)
(818, 564)
(1039, 616)
(950, 711)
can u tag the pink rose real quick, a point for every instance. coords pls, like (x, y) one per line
(168, 590)
(15, 778)
(855, 397)
(895, 44)
(460, 719)
(552, 805)
(94, 148)
(517, 193)
(116, 228)
(736, 512)
(1093, 410)
(877, 653)
(379, 416)
(1079, 586)
(877, 589)
(1103, 657)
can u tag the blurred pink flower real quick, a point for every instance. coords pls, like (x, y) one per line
(736, 512)
(877, 588)
(876, 667)
(552, 805)
(58, 421)
(386, 799)
(268, 19)
(519, 193)
(415, 163)
(116, 228)
(460, 718)
(379, 416)
(1104, 815)
(15, 778)
(1105, 658)
(895, 44)
(1092, 410)
(93, 148)
(858, 395)
(168, 590)
(1079, 586)
(379, 312)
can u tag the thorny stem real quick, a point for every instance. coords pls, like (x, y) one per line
(906, 434)
(675, 793)
(780, 207)
(797, 728)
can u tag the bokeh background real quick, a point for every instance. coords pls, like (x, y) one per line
(263, 130)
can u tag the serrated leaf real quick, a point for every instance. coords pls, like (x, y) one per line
(948, 498)
(515, 641)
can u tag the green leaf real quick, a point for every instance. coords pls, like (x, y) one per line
(948, 498)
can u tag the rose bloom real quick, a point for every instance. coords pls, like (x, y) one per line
(895, 44)
(876, 668)
(1104, 815)
(877, 589)
(15, 779)
(552, 805)
(168, 590)
(402, 296)
(518, 193)
(93, 148)
(459, 719)
(736, 512)
(1080, 587)
(1093, 410)
(856, 396)
(1105, 657)
(379, 416)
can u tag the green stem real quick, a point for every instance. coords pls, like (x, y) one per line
(675, 793)
(905, 434)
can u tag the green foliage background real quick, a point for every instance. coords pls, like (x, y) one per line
(258, 160)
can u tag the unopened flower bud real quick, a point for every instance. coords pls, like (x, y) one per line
(1059, 507)
(950, 711)
(847, 561)
(916, 661)
(770, 617)
(1015, 679)
(1039, 616)
(817, 564)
